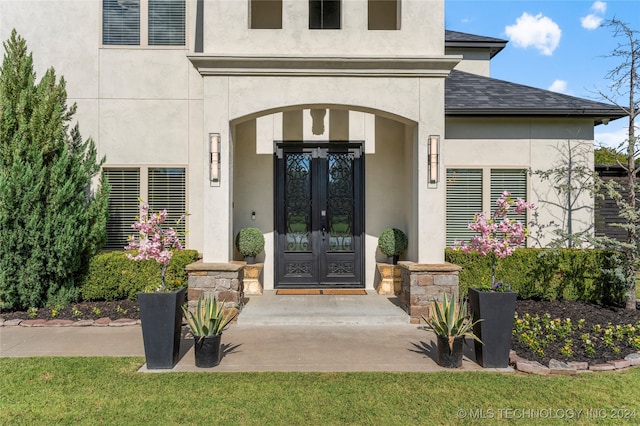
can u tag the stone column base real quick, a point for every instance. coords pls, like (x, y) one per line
(424, 283)
(252, 279)
(390, 279)
(220, 280)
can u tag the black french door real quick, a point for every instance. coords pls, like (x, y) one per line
(319, 215)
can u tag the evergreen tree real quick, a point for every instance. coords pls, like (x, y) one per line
(51, 223)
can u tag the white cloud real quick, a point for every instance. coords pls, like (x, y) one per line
(611, 135)
(559, 86)
(591, 22)
(599, 7)
(537, 31)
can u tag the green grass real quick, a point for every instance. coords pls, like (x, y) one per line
(110, 391)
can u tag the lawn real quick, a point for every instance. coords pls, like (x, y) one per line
(111, 391)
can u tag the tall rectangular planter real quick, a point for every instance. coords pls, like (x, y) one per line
(497, 312)
(161, 317)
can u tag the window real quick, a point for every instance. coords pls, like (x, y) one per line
(143, 22)
(166, 189)
(166, 22)
(464, 199)
(123, 205)
(384, 14)
(266, 14)
(467, 195)
(324, 14)
(512, 180)
(121, 22)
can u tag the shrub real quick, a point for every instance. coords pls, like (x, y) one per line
(250, 241)
(51, 223)
(568, 274)
(112, 276)
(393, 242)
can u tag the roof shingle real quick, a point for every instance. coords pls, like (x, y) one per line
(476, 95)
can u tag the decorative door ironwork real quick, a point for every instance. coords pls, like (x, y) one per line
(319, 215)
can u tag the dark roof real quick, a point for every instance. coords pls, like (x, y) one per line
(475, 95)
(458, 39)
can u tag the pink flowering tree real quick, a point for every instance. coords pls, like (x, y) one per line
(153, 240)
(498, 236)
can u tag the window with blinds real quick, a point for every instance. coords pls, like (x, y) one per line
(167, 190)
(166, 22)
(324, 14)
(121, 22)
(512, 180)
(464, 200)
(123, 205)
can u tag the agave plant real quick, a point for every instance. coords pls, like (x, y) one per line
(450, 321)
(209, 318)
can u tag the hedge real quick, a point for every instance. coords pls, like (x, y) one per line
(568, 274)
(112, 276)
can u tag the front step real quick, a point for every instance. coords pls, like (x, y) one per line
(369, 309)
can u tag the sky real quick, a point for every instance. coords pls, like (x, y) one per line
(558, 45)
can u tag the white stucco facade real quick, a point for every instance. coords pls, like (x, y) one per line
(150, 106)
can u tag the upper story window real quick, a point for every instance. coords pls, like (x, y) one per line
(324, 14)
(143, 22)
(265, 14)
(384, 14)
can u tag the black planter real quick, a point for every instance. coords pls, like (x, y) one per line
(161, 317)
(251, 260)
(450, 358)
(207, 350)
(496, 311)
(393, 260)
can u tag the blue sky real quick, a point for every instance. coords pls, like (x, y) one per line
(557, 45)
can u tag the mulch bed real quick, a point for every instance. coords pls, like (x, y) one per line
(83, 311)
(591, 313)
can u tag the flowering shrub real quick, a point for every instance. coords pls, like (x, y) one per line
(498, 236)
(153, 241)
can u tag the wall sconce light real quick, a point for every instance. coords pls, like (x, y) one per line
(434, 158)
(214, 159)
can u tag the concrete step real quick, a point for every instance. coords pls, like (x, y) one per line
(370, 309)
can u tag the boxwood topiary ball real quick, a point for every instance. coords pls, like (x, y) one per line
(393, 242)
(250, 242)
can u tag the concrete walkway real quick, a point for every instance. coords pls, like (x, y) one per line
(354, 343)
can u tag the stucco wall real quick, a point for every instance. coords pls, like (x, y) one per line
(474, 61)
(226, 31)
(535, 144)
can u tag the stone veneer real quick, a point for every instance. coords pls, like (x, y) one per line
(424, 283)
(221, 280)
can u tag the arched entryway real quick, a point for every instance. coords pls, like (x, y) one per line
(322, 182)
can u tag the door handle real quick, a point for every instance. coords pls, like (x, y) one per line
(324, 232)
